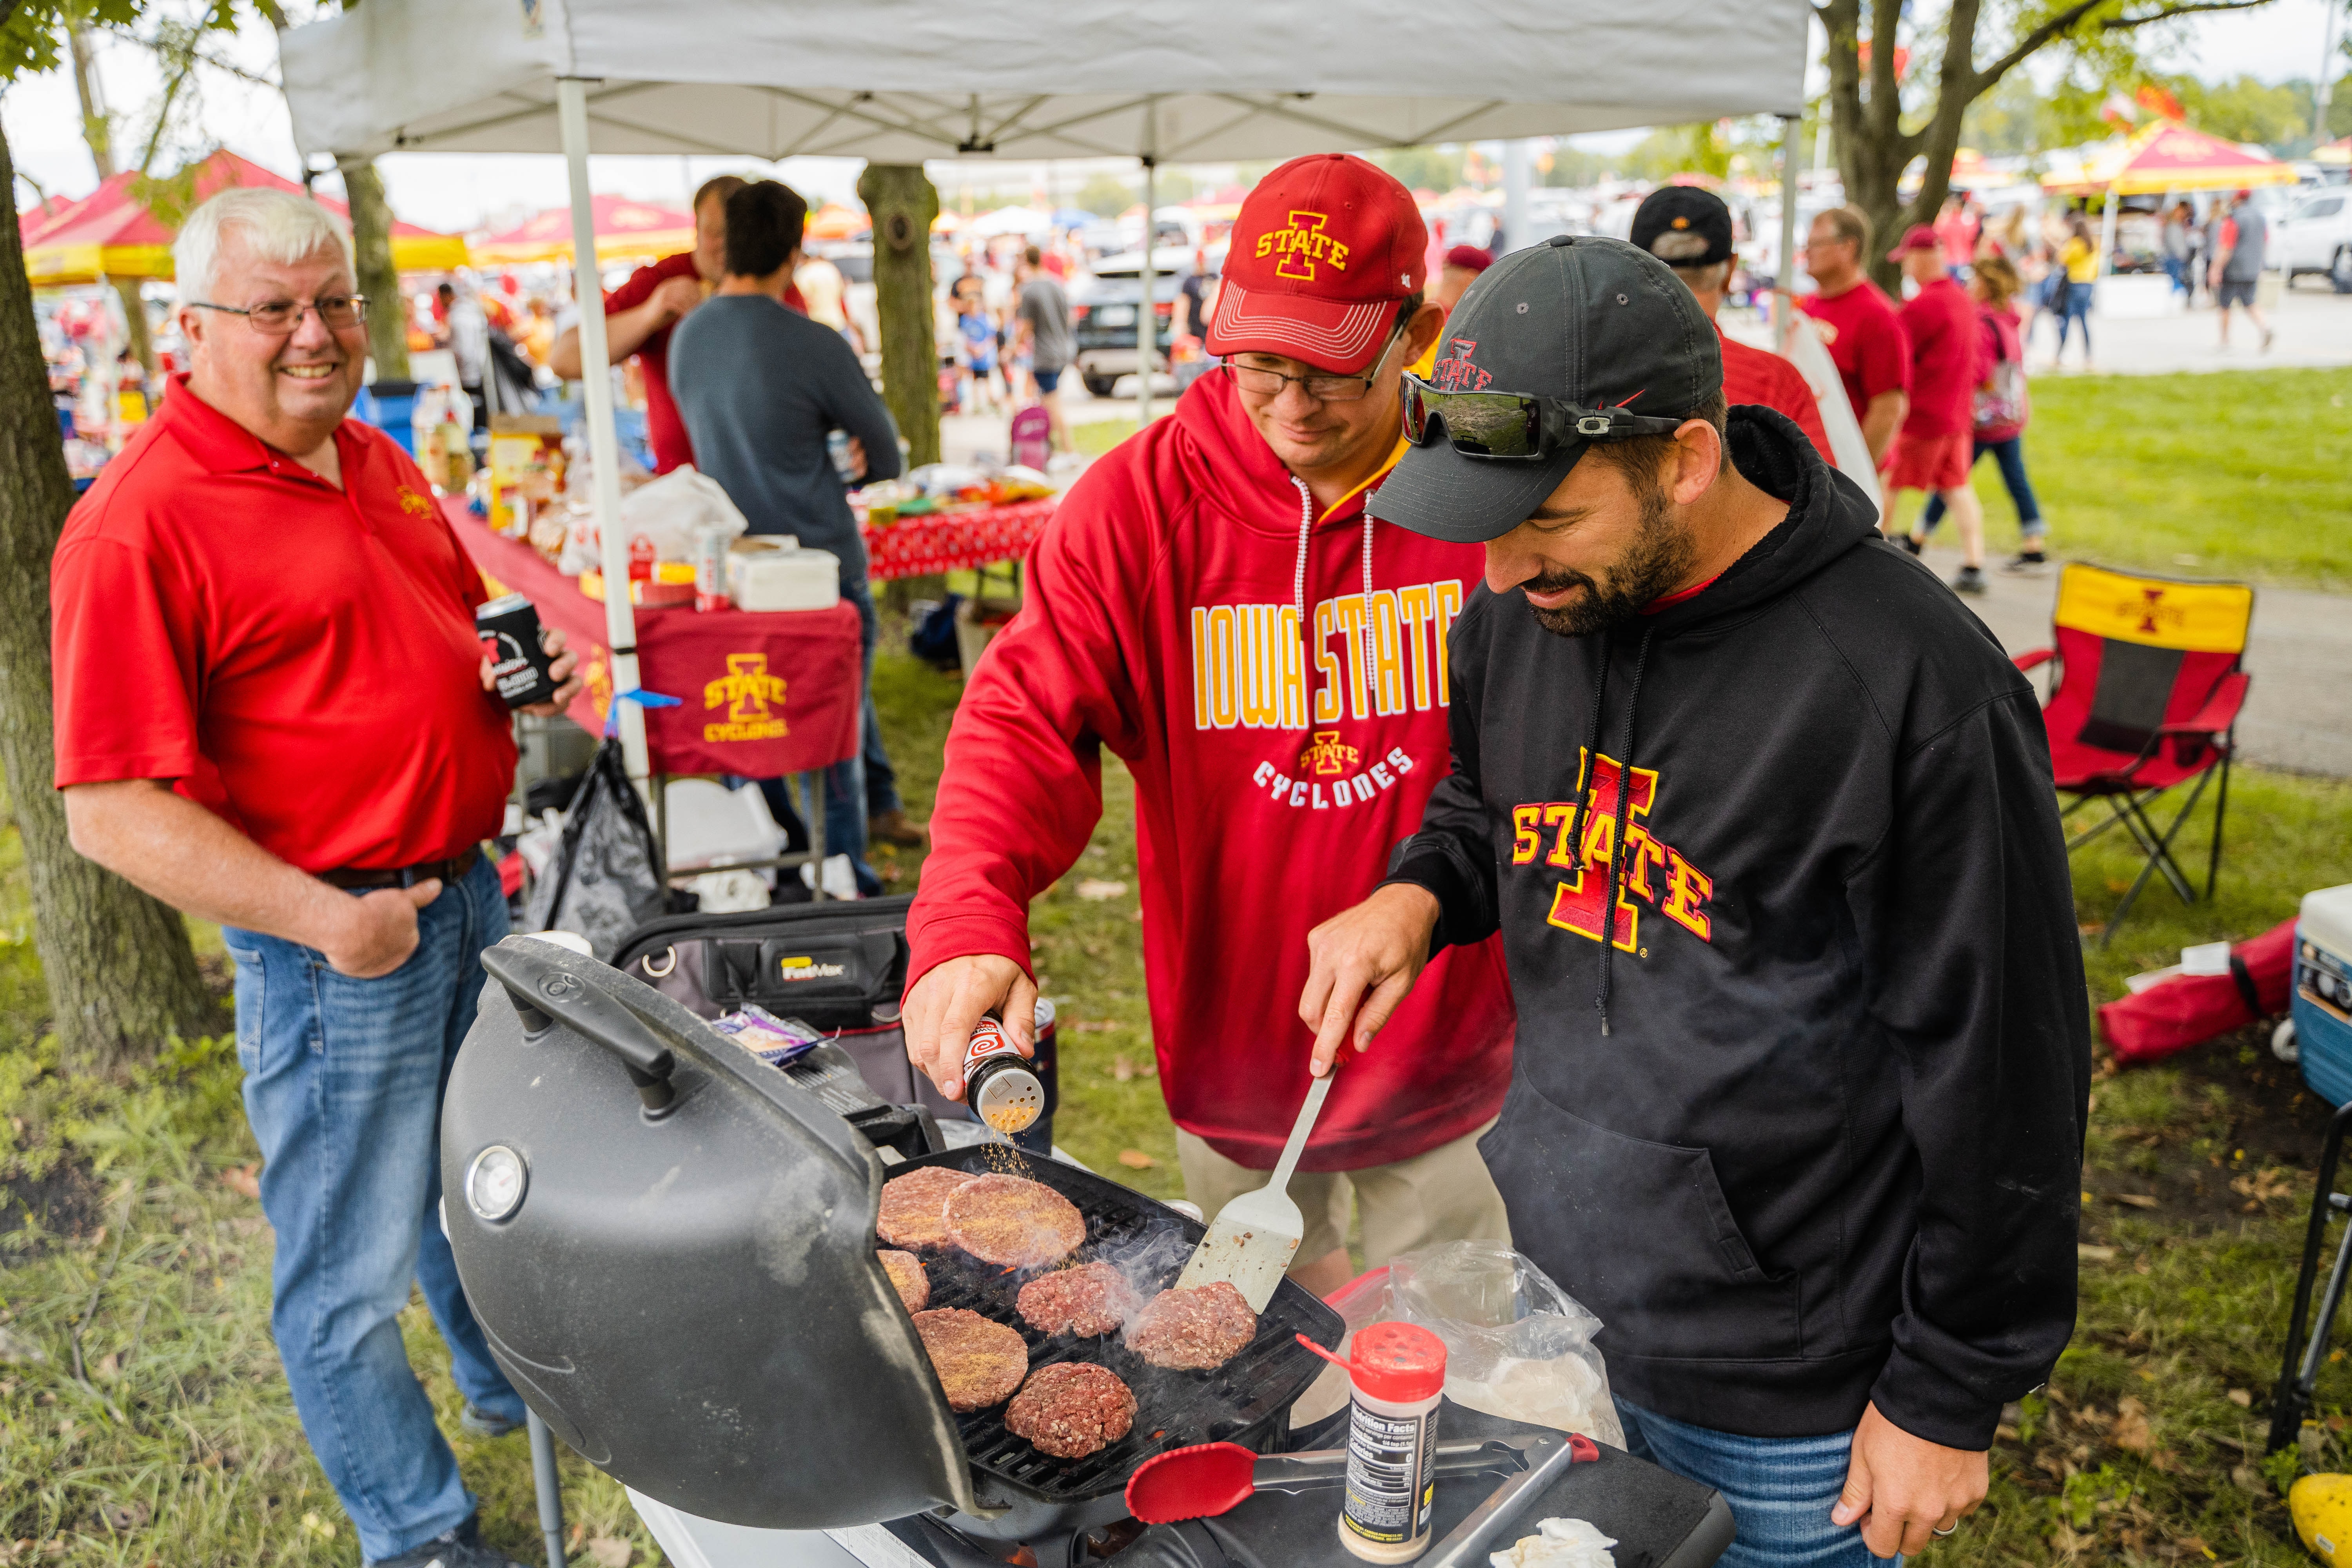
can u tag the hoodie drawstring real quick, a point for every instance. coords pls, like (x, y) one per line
(1617, 868)
(1299, 595)
(1590, 759)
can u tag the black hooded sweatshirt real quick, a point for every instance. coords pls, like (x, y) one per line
(1807, 1131)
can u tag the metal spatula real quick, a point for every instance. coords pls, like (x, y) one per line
(1256, 1235)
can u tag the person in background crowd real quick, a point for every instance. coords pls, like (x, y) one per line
(469, 342)
(824, 290)
(640, 314)
(976, 335)
(538, 330)
(2002, 410)
(2238, 242)
(2077, 272)
(1464, 263)
(1192, 298)
(1797, 1105)
(2179, 223)
(312, 754)
(761, 387)
(1859, 326)
(1932, 453)
(1041, 328)
(1956, 229)
(1689, 230)
(1214, 605)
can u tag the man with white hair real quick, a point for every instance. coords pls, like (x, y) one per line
(272, 713)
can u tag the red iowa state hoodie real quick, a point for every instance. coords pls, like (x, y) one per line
(1278, 757)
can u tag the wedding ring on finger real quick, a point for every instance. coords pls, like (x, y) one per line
(1945, 1531)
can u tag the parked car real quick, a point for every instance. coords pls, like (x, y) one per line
(1103, 303)
(2315, 236)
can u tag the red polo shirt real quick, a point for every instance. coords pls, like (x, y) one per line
(665, 430)
(1864, 337)
(298, 658)
(1758, 375)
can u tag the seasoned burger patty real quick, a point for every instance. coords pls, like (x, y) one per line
(1070, 1410)
(1092, 1299)
(979, 1363)
(1192, 1331)
(912, 1206)
(906, 1276)
(1009, 1220)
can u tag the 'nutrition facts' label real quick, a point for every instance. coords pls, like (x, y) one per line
(1389, 1482)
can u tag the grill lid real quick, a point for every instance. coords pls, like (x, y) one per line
(678, 1273)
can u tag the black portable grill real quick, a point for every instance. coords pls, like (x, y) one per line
(1243, 1401)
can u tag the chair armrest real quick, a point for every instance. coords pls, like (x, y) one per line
(2034, 658)
(2221, 709)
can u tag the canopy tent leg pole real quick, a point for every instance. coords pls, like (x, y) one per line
(603, 443)
(1784, 281)
(1515, 223)
(2107, 236)
(1147, 314)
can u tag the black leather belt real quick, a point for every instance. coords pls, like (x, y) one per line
(448, 871)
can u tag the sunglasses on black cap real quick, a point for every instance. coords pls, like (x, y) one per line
(1513, 426)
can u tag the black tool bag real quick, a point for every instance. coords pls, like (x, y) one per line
(839, 966)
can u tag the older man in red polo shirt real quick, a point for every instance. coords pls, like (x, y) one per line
(639, 314)
(272, 711)
(1858, 324)
(1937, 442)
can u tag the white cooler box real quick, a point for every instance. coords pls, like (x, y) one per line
(2322, 1007)
(772, 573)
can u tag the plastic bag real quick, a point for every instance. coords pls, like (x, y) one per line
(1559, 1543)
(670, 510)
(1517, 1345)
(601, 881)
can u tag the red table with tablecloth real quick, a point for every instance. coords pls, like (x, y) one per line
(761, 695)
(952, 540)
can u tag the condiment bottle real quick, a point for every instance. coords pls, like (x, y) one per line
(998, 1083)
(1397, 1372)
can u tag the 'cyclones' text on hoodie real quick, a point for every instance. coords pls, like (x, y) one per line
(1277, 683)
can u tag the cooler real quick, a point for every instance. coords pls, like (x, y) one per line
(2322, 1007)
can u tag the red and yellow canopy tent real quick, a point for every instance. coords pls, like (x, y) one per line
(125, 227)
(2166, 156)
(624, 229)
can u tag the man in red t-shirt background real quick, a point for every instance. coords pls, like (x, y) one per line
(1689, 230)
(273, 712)
(1859, 327)
(639, 314)
(1937, 442)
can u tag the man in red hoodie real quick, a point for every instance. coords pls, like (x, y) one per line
(1212, 604)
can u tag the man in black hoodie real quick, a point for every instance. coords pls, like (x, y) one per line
(1765, 819)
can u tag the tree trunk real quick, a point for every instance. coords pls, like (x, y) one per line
(903, 202)
(121, 974)
(378, 279)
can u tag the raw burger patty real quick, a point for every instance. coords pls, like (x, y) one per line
(912, 1204)
(979, 1363)
(905, 1272)
(1192, 1331)
(1070, 1410)
(1092, 1299)
(1013, 1221)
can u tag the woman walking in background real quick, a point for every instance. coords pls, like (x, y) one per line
(2001, 411)
(2179, 220)
(2078, 274)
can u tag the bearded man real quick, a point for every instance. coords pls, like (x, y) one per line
(1765, 820)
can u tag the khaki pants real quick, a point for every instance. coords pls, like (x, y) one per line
(1445, 1195)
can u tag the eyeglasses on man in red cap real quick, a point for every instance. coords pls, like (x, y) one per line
(1323, 252)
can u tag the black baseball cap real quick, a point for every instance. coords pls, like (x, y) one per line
(1683, 225)
(1579, 318)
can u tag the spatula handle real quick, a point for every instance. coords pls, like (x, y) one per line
(1317, 1092)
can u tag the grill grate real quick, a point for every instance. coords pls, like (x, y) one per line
(1237, 1402)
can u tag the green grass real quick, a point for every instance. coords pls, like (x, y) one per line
(2236, 474)
(180, 1444)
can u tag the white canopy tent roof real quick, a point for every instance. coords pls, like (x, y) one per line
(907, 81)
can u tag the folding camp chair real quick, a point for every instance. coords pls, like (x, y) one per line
(2146, 698)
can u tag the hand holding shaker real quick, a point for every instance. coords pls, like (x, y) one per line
(508, 629)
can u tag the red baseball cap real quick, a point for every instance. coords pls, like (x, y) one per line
(1324, 251)
(1918, 236)
(1470, 258)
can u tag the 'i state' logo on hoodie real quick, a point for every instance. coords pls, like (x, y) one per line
(1651, 870)
(1249, 672)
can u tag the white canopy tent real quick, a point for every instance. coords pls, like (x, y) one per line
(905, 80)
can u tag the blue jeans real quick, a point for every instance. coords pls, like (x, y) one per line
(2011, 455)
(343, 1080)
(864, 782)
(2078, 310)
(1780, 1490)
